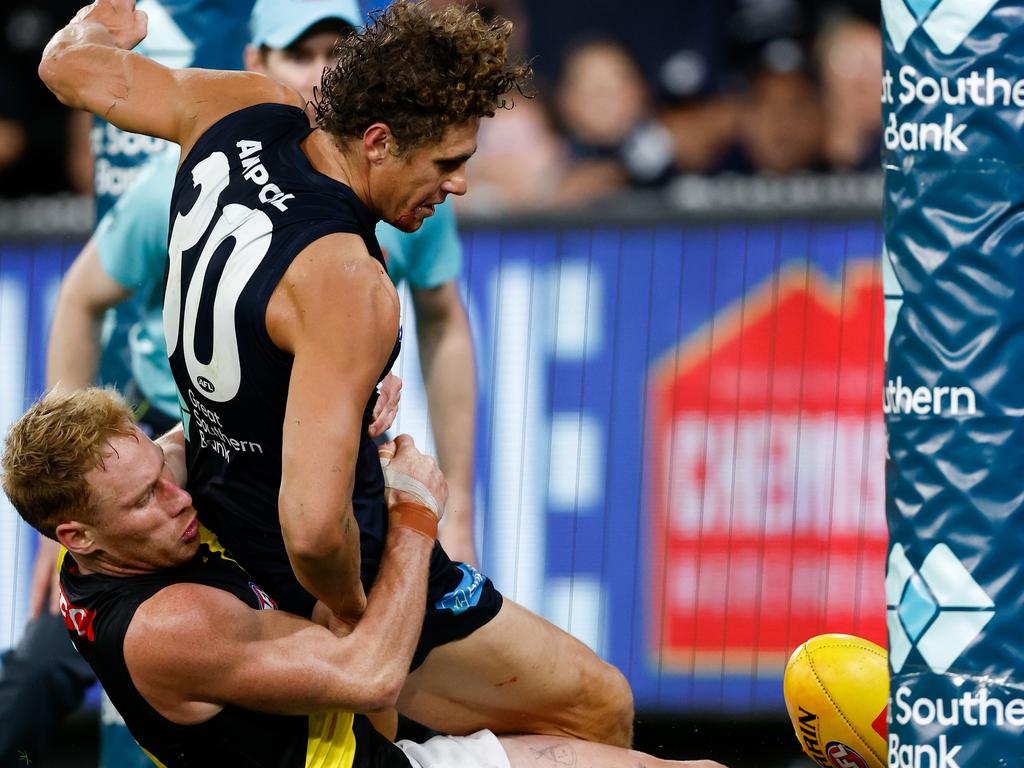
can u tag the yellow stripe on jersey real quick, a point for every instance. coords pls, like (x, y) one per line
(332, 742)
(209, 538)
(156, 762)
(60, 559)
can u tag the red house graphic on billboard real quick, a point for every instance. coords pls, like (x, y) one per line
(767, 485)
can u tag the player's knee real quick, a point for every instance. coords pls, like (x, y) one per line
(610, 711)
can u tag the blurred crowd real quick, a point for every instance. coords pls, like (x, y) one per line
(625, 97)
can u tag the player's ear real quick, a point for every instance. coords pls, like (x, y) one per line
(378, 143)
(77, 538)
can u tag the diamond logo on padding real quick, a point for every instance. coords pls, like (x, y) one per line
(916, 608)
(939, 609)
(946, 22)
(921, 8)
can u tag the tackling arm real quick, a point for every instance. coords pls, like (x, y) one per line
(192, 649)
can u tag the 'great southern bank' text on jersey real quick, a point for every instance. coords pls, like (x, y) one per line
(247, 201)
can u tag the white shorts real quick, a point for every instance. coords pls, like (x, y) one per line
(478, 750)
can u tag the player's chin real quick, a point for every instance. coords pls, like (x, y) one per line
(407, 223)
(186, 550)
(410, 221)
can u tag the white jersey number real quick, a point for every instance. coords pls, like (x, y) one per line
(249, 232)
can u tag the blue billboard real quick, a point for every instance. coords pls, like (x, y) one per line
(679, 441)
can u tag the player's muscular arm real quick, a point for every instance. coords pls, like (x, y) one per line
(192, 649)
(89, 65)
(337, 313)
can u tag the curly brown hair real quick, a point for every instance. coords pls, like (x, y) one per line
(50, 449)
(419, 71)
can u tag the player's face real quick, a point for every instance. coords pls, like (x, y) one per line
(423, 178)
(144, 521)
(301, 65)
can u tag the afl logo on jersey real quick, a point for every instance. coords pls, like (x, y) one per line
(266, 601)
(205, 384)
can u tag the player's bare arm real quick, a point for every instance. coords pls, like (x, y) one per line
(337, 313)
(89, 65)
(191, 649)
(86, 293)
(449, 372)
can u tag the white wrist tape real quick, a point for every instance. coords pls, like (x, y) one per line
(399, 481)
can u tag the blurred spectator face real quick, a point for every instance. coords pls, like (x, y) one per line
(780, 128)
(518, 164)
(702, 132)
(601, 95)
(300, 65)
(851, 69)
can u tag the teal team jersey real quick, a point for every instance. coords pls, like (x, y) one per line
(132, 243)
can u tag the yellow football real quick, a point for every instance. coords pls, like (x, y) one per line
(836, 689)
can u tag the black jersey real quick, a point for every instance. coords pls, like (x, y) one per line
(98, 610)
(246, 201)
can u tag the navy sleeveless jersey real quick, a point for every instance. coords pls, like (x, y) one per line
(98, 610)
(246, 201)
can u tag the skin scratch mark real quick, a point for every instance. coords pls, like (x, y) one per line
(512, 679)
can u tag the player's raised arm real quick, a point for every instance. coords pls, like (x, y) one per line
(89, 65)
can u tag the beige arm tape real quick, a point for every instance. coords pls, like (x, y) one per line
(399, 481)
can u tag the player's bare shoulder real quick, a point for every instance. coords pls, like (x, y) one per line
(215, 94)
(335, 276)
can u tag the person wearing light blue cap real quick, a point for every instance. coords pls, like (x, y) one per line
(280, 23)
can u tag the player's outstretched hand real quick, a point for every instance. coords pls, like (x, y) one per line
(126, 25)
(412, 476)
(386, 407)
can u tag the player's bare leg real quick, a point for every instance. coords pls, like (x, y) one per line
(520, 674)
(554, 752)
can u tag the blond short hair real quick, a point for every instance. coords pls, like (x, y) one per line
(51, 448)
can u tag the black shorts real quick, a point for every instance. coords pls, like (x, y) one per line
(460, 599)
